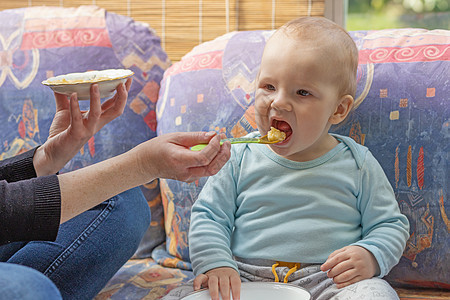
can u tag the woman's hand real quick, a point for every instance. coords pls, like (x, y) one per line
(169, 156)
(72, 128)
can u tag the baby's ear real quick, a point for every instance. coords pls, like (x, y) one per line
(343, 108)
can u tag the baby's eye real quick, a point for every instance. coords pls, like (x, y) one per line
(269, 87)
(303, 93)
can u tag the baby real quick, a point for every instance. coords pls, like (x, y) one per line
(316, 209)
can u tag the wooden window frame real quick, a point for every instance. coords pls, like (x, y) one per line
(336, 10)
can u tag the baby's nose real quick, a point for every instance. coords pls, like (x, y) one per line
(281, 101)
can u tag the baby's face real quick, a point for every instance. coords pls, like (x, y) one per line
(296, 93)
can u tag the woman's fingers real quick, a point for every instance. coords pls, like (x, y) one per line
(95, 109)
(114, 107)
(213, 166)
(128, 83)
(62, 102)
(75, 113)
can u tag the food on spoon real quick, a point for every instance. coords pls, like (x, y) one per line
(275, 135)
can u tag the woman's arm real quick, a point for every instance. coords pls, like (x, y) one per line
(32, 209)
(41, 203)
(166, 156)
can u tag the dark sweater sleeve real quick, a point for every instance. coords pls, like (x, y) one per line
(19, 167)
(30, 208)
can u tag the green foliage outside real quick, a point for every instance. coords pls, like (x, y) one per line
(384, 14)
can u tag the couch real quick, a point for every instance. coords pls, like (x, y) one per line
(402, 113)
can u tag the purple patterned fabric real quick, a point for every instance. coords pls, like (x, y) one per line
(36, 43)
(402, 114)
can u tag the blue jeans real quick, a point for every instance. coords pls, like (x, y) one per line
(14, 277)
(89, 248)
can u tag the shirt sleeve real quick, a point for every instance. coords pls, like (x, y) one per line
(212, 222)
(385, 229)
(19, 167)
(30, 207)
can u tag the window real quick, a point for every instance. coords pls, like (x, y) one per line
(386, 14)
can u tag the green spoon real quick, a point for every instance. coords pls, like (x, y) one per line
(241, 140)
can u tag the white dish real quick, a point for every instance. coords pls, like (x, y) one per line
(261, 291)
(80, 83)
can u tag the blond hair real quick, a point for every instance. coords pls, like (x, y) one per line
(341, 51)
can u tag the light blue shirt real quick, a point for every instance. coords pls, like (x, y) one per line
(261, 205)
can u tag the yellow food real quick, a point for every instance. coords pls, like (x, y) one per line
(275, 135)
(74, 81)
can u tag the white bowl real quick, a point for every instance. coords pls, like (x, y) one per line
(80, 83)
(261, 291)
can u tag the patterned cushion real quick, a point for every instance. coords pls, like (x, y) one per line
(37, 43)
(143, 279)
(402, 114)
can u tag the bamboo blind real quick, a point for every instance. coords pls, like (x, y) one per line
(183, 24)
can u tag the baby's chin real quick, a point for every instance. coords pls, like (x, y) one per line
(288, 150)
(285, 153)
(282, 149)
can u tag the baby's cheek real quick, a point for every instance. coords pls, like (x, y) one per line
(261, 115)
(262, 96)
(262, 104)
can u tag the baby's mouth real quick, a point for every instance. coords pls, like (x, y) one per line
(283, 126)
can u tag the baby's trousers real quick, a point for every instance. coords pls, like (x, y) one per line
(317, 282)
(311, 278)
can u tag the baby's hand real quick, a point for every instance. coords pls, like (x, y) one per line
(220, 280)
(349, 265)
